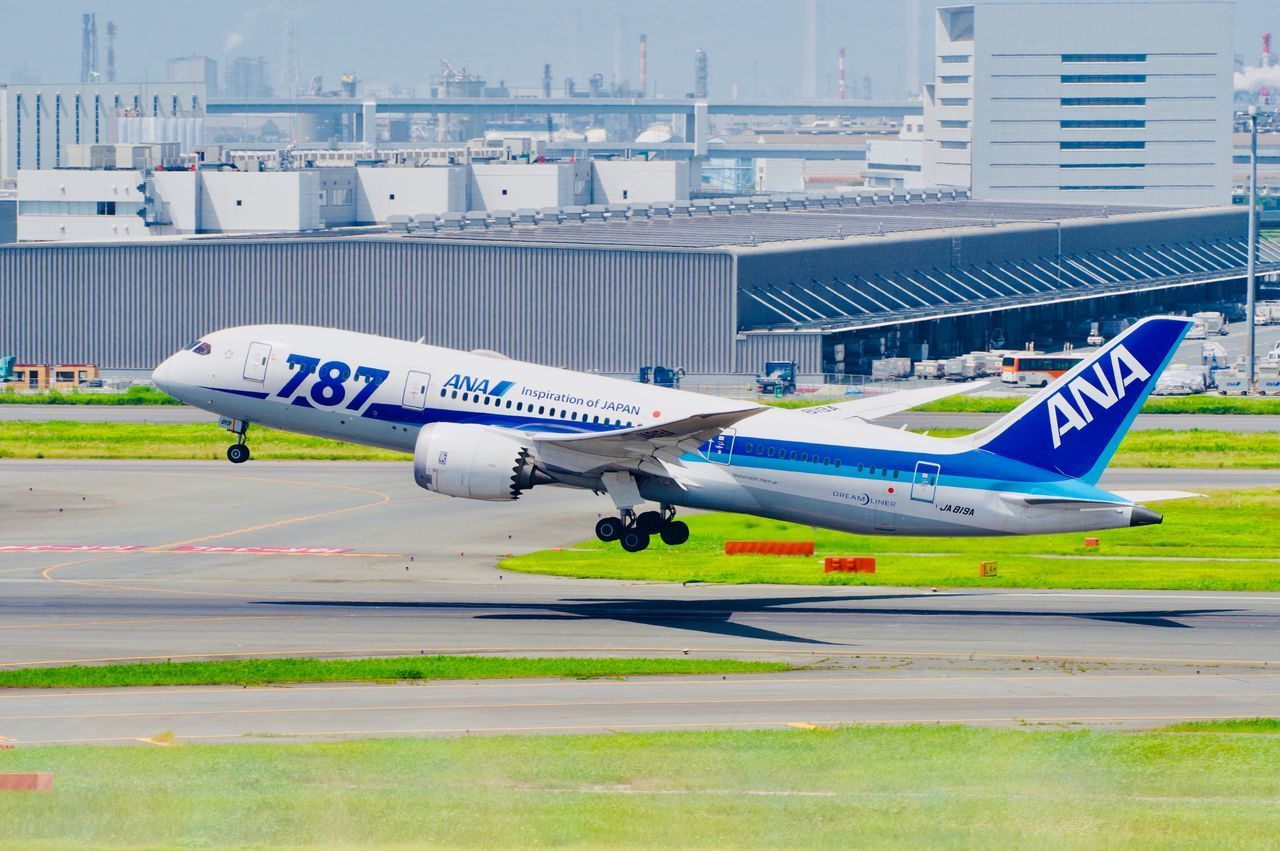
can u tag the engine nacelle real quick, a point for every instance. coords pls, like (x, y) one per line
(473, 462)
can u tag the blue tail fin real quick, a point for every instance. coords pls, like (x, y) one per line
(1074, 425)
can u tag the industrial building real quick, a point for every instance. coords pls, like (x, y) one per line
(714, 287)
(130, 192)
(1121, 103)
(39, 123)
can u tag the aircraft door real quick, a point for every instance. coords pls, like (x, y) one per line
(925, 484)
(255, 363)
(720, 450)
(415, 390)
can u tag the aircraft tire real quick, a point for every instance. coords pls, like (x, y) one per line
(238, 453)
(609, 529)
(633, 540)
(650, 522)
(675, 533)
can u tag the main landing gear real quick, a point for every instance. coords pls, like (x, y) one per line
(634, 531)
(238, 452)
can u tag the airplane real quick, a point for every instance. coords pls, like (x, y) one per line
(485, 427)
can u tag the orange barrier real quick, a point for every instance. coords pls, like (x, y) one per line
(850, 564)
(1091, 542)
(26, 782)
(768, 548)
(987, 568)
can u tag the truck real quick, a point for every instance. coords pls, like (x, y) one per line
(6, 368)
(661, 376)
(1213, 321)
(778, 377)
(887, 369)
(1267, 312)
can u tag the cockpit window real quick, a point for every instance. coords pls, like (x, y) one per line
(200, 347)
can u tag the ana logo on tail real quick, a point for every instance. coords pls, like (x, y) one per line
(1074, 413)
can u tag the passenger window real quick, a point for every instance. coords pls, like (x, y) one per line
(574, 415)
(859, 468)
(826, 461)
(770, 451)
(837, 463)
(895, 474)
(465, 397)
(455, 394)
(804, 456)
(541, 410)
(595, 419)
(508, 404)
(519, 406)
(442, 392)
(793, 455)
(486, 400)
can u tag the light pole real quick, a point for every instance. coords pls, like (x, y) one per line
(1249, 309)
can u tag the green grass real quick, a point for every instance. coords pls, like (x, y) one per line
(64, 439)
(1267, 726)
(1168, 448)
(1154, 405)
(265, 671)
(133, 396)
(1226, 525)
(881, 787)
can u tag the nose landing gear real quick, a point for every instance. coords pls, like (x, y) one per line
(238, 452)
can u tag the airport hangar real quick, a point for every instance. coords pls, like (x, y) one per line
(716, 287)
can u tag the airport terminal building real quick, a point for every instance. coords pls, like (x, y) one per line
(714, 287)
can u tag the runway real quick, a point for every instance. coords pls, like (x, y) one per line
(310, 558)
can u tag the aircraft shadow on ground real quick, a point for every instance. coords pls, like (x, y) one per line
(716, 617)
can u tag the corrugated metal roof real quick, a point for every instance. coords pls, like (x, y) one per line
(691, 226)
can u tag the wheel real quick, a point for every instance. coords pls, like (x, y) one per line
(609, 529)
(238, 453)
(650, 522)
(675, 533)
(633, 540)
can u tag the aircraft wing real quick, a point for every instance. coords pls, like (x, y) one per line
(649, 449)
(881, 405)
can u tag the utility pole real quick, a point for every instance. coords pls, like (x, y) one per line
(1250, 310)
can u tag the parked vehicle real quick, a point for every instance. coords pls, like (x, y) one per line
(779, 378)
(1180, 382)
(1031, 370)
(661, 376)
(960, 369)
(928, 369)
(886, 369)
(1214, 322)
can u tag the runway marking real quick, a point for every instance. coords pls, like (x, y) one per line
(709, 725)
(1253, 597)
(69, 548)
(384, 499)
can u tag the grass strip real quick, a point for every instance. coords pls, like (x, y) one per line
(885, 787)
(305, 670)
(1005, 404)
(178, 441)
(133, 396)
(197, 441)
(1267, 726)
(1237, 528)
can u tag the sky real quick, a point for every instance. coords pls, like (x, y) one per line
(755, 45)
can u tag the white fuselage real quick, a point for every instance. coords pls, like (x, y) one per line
(791, 465)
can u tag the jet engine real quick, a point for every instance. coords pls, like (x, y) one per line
(475, 462)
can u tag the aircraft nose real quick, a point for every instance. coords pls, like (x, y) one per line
(162, 375)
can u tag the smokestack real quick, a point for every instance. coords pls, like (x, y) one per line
(840, 68)
(644, 65)
(1264, 94)
(811, 48)
(111, 51)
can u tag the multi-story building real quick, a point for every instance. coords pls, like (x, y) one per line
(246, 77)
(1125, 103)
(39, 123)
(193, 69)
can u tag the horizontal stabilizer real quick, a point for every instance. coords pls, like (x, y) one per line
(1156, 496)
(884, 404)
